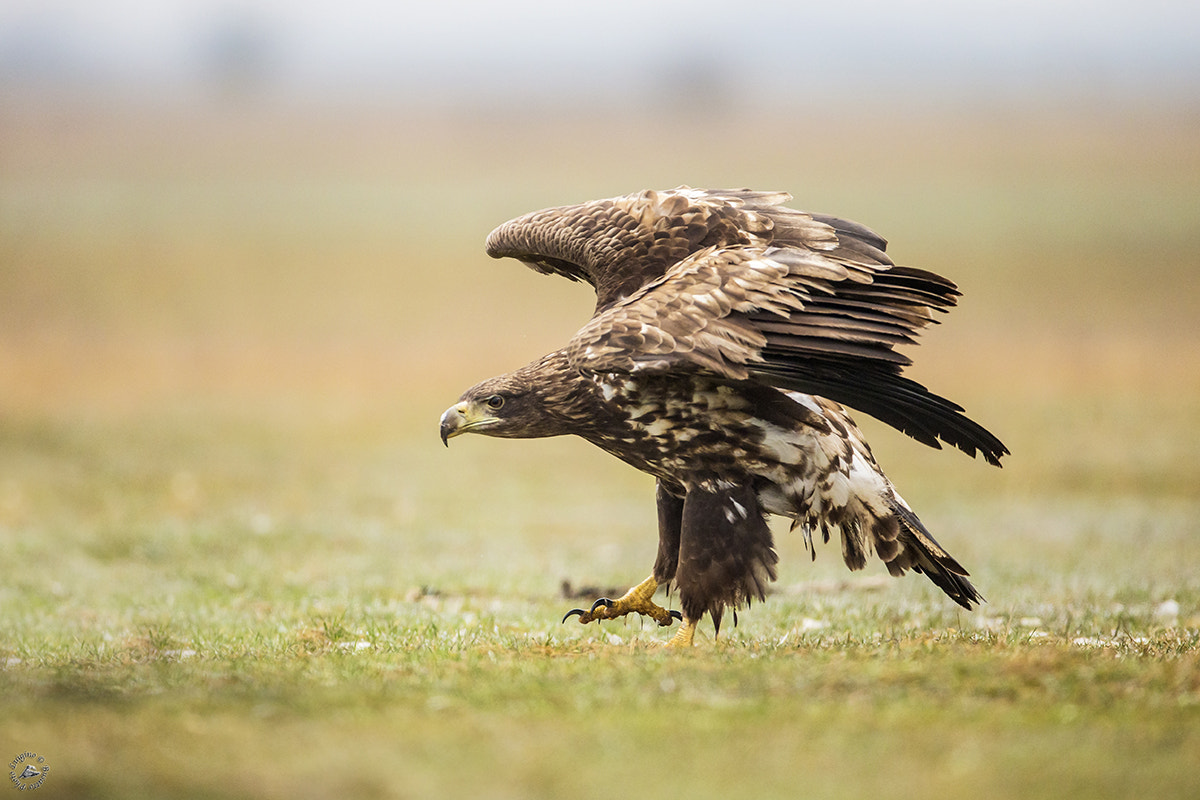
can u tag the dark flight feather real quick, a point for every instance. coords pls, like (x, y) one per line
(729, 330)
(732, 282)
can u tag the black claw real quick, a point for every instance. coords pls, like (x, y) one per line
(677, 615)
(603, 601)
(574, 612)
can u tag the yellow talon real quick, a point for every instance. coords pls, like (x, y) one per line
(636, 601)
(684, 636)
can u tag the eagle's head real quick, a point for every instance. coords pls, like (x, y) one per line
(545, 398)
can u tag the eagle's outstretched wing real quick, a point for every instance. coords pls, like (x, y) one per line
(733, 283)
(620, 244)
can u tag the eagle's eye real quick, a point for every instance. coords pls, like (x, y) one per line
(494, 402)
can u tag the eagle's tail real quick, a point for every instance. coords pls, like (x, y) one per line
(915, 548)
(902, 543)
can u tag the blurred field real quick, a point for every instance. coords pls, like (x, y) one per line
(240, 564)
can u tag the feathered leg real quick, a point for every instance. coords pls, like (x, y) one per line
(670, 530)
(726, 554)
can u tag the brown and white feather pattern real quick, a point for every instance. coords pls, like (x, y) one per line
(735, 283)
(804, 456)
(728, 333)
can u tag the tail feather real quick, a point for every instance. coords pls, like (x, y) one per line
(920, 552)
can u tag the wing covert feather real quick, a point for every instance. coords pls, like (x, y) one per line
(734, 283)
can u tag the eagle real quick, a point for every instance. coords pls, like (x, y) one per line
(729, 330)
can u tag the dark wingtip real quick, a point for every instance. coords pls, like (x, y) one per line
(992, 452)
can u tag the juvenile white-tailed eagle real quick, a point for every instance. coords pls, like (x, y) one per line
(728, 330)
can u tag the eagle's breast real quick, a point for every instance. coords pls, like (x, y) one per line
(694, 429)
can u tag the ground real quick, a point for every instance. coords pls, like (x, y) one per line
(240, 564)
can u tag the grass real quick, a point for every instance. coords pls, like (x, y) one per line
(240, 564)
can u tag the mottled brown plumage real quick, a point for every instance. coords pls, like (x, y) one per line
(727, 330)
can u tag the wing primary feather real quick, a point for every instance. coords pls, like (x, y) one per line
(733, 282)
(880, 391)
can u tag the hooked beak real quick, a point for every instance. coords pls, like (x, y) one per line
(461, 418)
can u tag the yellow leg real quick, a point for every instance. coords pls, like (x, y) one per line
(683, 637)
(636, 601)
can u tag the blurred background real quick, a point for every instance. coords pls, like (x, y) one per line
(242, 274)
(251, 233)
